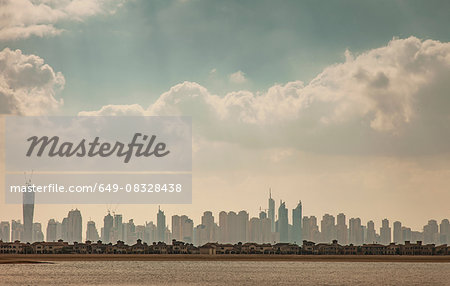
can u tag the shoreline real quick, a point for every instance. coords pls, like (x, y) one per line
(51, 258)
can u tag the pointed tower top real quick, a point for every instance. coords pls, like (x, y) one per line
(270, 193)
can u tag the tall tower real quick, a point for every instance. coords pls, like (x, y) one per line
(297, 224)
(28, 212)
(283, 223)
(74, 226)
(107, 227)
(160, 225)
(271, 212)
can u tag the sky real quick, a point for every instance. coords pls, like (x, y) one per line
(343, 105)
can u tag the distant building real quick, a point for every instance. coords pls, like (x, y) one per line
(444, 231)
(28, 213)
(283, 222)
(51, 231)
(37, 234)
(74, 226)
(91, 232)
(385, 232)
(5, 231)
(107, 228)
(161, 225)
(341, 229)
(297, 224)
(271, 212)
(327, 228)
(398, 238)
(356, 233)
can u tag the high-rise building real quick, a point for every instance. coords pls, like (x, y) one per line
(356, 233)
(28, 213)
(242, 226)
(341, 229)
(16, 230)
(385, 232)
(182, 228)
(371, 236)
(117, 233)
(431, 232)
(107, 228)
(327, 228)
(176, 228)
(187, 229)
(406, 234)
(444, 231)
(64, 229)
(271, 211)
(208, 222)
(297, 224)
(283, 222)
(51, 230)
(160, 225)
(37, 234)
(5, 231)
(223, 227)
(91, 232)
(255, 230)
(398, 232)
(74, 226)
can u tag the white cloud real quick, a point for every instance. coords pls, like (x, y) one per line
(25, 18)
(386, 99)
(27, 85)
(238, 77)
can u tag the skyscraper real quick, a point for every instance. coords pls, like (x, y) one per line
(297, 224)
(356, 234)
(271, 211)
(91, 232)
(28, 213)
(431, 232)
(341, 229)
(51, 230)
(117, 228)
(385, 232)
(208, 222)
(107, 227)
(444, 231)
(160, 225)
(327, 228)
(37, 234)
(398, 232)
(283, 222)
(242, 226)
(5, 231)
(16, 230)
(74, 226)
(371, 236)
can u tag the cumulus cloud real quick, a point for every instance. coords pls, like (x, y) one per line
(237, 77)
(27, 85)
(25, 18)
(382, 99)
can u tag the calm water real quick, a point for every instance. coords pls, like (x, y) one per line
(225, 273)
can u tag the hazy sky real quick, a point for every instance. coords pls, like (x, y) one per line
(341, 104)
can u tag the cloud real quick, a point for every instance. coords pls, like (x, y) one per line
(237, 77)
(24, 18)
(392, 99)
(27, 85)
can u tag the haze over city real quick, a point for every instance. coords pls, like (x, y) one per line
(346, 117)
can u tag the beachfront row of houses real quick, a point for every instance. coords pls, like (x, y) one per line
(178, 247)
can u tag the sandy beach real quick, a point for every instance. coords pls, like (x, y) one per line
(48, 258)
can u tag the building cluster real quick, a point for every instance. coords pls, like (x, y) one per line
(178, 247)
(271, 226)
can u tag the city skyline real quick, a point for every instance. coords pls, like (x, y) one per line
(231, 227)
